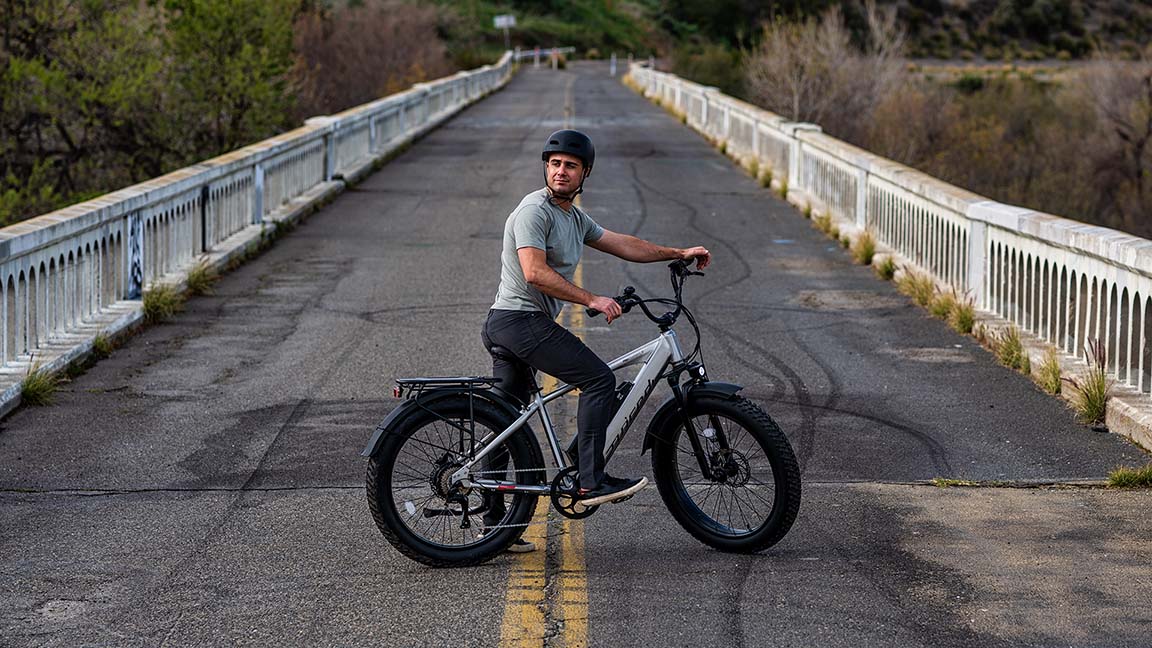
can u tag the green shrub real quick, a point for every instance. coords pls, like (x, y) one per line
(864, 248)
(161, 302)
(38, 386)
(845, 241)
(754, 168)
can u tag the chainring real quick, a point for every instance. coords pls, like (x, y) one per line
(564, 498)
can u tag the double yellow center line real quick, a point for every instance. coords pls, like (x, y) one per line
(528, 608)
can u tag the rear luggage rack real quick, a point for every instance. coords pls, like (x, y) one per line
(415, 386)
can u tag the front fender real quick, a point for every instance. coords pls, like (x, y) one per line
(670, 410)
(426, 399)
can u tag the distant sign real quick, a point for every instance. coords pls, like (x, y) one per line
(504, 21)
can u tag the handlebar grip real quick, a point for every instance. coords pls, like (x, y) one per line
(592, 312)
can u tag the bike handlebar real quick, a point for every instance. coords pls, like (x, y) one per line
(628, 298)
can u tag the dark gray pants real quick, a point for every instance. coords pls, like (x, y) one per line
(523, 341)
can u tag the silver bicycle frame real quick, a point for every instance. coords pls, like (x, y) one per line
(655, 356)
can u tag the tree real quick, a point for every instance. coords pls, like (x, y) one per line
(811, 71)
(228, 62)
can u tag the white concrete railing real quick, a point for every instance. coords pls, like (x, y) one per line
(65, 276)
(1061, 280)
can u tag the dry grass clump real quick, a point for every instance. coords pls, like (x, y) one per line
(919, 287)
(1048, 373)
(38, 386)
(161, 302)
(1092, 390)
(886, 269)
(1009, 350)
(864, 248)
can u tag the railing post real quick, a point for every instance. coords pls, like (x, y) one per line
(258, 194)
(204, 234)
(704, 110)
(862, 194)
(977, 238)
(135, 256)
(794, 172)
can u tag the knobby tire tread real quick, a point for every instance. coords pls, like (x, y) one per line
(781, 457)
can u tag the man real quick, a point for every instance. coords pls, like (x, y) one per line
(543, 242)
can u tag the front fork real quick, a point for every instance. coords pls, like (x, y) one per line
(698, 375)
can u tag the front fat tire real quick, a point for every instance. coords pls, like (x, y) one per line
(690, 505)
(525, 457)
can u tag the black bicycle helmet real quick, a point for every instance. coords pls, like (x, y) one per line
(572, 142)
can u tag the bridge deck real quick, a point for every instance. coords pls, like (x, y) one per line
(225, 443)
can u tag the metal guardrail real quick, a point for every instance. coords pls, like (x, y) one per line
(71, 274)
(1063, 281)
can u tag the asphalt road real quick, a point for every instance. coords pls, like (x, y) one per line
(202, 486)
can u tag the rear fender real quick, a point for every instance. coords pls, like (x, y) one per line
(427, 399)
(668, 415)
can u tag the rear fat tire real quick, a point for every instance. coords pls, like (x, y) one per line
(399, 450)
(698, 504)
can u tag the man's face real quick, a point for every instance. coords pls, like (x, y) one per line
(563, 172)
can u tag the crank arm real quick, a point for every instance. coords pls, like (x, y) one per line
(498, 486)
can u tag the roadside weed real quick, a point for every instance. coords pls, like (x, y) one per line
(886, 269)
(1091, 391)
(1010, 350)
(784, 189)
(845, 241)
(161, 302)
(102, 346)
(201, 277)
(963, 316)
(38, 386)
(808, 214)
(919, 287)
(942, 305)
(754, 168)
(1124, 477)
(1048, 373)
(865, 249)
(766, 178)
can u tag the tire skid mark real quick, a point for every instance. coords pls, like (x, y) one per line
(809, 415)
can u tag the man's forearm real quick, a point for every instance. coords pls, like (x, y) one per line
(553, 284)
(639, 250)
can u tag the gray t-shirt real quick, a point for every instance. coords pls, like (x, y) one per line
(538, 223)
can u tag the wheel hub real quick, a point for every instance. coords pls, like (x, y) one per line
(730, 467)
(441, 478)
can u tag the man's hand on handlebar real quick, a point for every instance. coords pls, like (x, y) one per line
(607, 306)
(700, 253)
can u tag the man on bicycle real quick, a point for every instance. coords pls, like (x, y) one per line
(543, 242)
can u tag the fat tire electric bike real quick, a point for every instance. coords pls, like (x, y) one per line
(458, 450)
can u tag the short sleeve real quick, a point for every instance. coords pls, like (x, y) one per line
(592, 229)
(530, 227)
